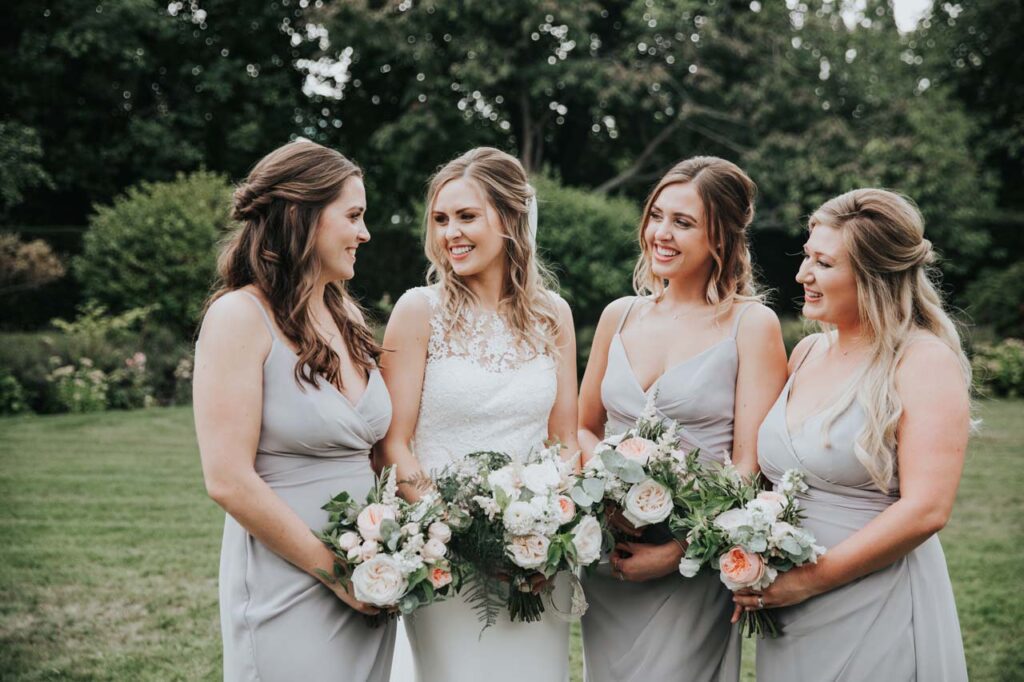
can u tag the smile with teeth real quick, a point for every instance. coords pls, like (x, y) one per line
(460, 250)
(664, 251)
(811, 295)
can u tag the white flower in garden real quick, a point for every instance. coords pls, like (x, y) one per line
(439, 531)
(529, 551)
(541, 477)
(520, 517)
(688, 567)
(379, 581)
(647, 502)
(586, 538)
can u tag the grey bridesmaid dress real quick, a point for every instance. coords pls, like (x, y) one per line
(897, 624)
(671, 628)
(277, 621)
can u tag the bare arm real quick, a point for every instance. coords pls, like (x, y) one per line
(228, 404)
(562, 421)
(592, 415)
(932, 436)
(761, 376)
(402, 366)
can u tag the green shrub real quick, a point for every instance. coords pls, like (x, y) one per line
(794, 329)
(999, 368)
(996, 298)
(12, 395)
(589, 240)
(81, 387)
(156, 246)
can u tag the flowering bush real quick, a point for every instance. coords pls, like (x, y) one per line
(81, 388)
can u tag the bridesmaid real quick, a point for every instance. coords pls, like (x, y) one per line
(696, 341)
(877, 413)
(288, 402)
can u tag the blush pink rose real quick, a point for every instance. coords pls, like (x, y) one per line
(371, 517)
(638, 449)
(439, 577)
(741, 568)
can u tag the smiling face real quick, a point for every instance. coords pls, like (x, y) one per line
(341, 230)
(676, 235)
(830, 284)
(467, 228)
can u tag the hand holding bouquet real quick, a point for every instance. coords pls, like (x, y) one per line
(514, 523)
(391, 552)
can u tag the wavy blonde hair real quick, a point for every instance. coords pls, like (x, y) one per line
(728, 195)
(897, 297)
(526, 303)
(278, 210)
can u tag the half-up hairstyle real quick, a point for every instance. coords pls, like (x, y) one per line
(526, 303)
(728, 195)
(883, 233)
(278, 209)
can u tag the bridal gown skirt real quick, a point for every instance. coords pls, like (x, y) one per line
(448, 646)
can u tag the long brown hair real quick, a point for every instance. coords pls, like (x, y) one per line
(728, 196)
(278, 208)
(527, 303)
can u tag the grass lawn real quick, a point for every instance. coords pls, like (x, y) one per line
(109, 549)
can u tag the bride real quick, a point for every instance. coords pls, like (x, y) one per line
(482, 359)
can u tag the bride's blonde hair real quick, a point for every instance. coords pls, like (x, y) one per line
(883, 233)
(527, 303)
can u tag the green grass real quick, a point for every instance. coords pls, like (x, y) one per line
(109, 549)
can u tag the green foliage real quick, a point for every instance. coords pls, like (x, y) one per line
(996, 297)
(156, 246)
(999, 368)
(590, 242)
(12, 396)
(22, 169)
(80, 387)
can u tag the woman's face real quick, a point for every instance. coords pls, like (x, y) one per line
(676, 234)
(830, 285)
(467, 229)
(341, 230)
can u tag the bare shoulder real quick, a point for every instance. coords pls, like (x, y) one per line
(802, 348)
(562, 306)
(234, 323)
(929, 366)
(757, 321)
(412, 311)
(614, 311)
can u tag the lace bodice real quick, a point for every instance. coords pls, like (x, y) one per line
(482, 390)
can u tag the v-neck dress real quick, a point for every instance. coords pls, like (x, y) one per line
(277, 621)
(671, 628)
(897, 624)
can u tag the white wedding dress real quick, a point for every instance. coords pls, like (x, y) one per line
(481, 391)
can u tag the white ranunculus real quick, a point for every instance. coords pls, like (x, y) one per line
(586, 538)
(369, 550)
(519, 518)
(529, 551)
(440, 531)
(688, 567)
(433, 550)
(506, 480)
(379, 581)
(371, 517)
(647, 502)
(541, 477)
(348, 540)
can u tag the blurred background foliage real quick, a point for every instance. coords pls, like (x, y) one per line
(124, 125)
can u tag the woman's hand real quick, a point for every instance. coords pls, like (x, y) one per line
(345, 595)
(638, 562)
(792, 587)
(620, 523)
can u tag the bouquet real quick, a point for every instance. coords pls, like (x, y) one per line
(391, 552)
(645, 473)
(747, 534)
(515, 527)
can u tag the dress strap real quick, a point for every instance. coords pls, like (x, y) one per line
(263, 312)
(739, 316)
(809, 349)
(622, 320)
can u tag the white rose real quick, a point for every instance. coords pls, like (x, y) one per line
(354, 553)
(371, 517)
(529, 551)
(369, 550)
(439, 531)
(348, 540)
(433, 550)
(637, 449)
(541, 477)
(731, 520)
(647, 502)
(379, 581)
(767, 507)
(519, 518)
(506, 480)
(688, 567)
(411, 529)
(586, 538)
